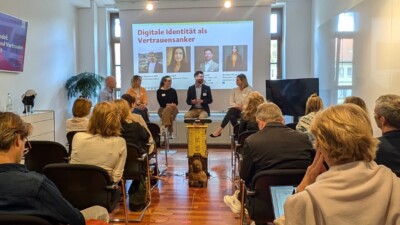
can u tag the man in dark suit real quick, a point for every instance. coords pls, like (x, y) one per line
(153, 66)
(387, 118)
(198, 96)
(275, 146)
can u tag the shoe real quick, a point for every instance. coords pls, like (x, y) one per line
(214, 136)
(233, 203)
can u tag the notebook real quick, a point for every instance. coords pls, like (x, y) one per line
(279, 193)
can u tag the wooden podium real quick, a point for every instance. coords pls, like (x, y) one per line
(197, 152)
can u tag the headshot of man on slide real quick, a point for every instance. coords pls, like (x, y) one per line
(208, 65)
(153, 66)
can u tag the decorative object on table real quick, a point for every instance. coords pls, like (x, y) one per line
(28, 98)
(84, 85)
(197, 176)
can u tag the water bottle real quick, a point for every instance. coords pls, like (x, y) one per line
(9, 106)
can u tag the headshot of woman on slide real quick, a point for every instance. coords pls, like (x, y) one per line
(178, 61)
(234, 60)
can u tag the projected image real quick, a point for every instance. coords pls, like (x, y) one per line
(150, 62)
(178, 59)
(235, 58)
(206, 58)
(221, 49)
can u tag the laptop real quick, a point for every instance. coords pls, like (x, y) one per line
(279, 194)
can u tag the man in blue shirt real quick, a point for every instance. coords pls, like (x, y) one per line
(108, 92)
(23, 192)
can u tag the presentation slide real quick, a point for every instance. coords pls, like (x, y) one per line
(12, 43)
(222, 50)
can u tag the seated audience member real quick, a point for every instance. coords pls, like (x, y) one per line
(313, 105)
(29, 193)
(80, 111)
(138, 118)
(355, 190)
(248, 121)
(101, 145)
(199, 97)
(236, 101)
(168, 101)
(275, 146)
(387, 118)
(140, 95)
(357, 101)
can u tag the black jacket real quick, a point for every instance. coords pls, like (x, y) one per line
(205, 96)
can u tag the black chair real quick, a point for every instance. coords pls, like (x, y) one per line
(15, 219)
(292, 125)
(258, 197)
(84, 185)
(234, 136)
(239, 148)
(44, 153)
(70, 136)
(156, 133)
(136, 166)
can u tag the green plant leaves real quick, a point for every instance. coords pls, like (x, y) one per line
(84, 84)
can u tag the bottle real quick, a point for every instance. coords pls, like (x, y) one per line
(9, 106)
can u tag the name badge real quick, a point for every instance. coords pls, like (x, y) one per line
(205, 94)
(163, 94)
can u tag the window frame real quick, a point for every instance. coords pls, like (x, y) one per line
(278, 36)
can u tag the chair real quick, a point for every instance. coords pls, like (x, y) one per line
(44, 153)
(238, 148)
(259, 200)
(15, 219)
(70, 136)
(84, 185)
(134, 166)
(156, 133)
(292, 125)
(233, 138)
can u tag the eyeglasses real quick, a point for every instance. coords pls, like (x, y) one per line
(27, 148)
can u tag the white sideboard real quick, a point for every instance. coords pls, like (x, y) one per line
(43, 125)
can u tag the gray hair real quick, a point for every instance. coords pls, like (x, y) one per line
(388, 106)
(269, 112)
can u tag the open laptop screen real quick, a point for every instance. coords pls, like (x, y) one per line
(279, 194)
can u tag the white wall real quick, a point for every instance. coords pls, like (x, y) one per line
(49, 57)
(376, 53)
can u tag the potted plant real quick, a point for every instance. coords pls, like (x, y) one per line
(84, 84)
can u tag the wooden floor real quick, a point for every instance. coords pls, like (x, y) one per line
(173, 202)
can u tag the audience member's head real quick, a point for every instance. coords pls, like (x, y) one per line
(81, 107)
(123, 108)
(253, 100)
(343, 134)
(130, 99)
(387, 112)
(243, 81)
(13, 132)
(268, 112)
(104, 120)
(111, 82)
(314, 104)
(356, 101)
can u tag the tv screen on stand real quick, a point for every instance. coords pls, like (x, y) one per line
(12, 43)
(291, 94)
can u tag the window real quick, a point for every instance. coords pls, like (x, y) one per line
(115, 45)
(344, 56)
(276, 43)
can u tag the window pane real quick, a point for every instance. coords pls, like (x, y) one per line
(344, 78)
(342, 94)
(117, 29)
(346, 50)
(117, 53)
(274, 71)
(274, 51)
(273, 23)
(118, 76)
(346, 22)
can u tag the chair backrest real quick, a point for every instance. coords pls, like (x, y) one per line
(155, 132)
(244, 135)
(292, 125)
(44, 153)
(15, 219)
(70, 136)
(135, 164)
(259, 203)
(236, 131)
(84, 185)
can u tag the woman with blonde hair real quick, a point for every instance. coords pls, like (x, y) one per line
(140, 95)
(248, 121)
(236, 101)
(80, 112)
(101, 145)
(355, 190)
(313, 105)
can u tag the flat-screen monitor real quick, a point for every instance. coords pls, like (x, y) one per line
(12, 43)
(291, 94)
